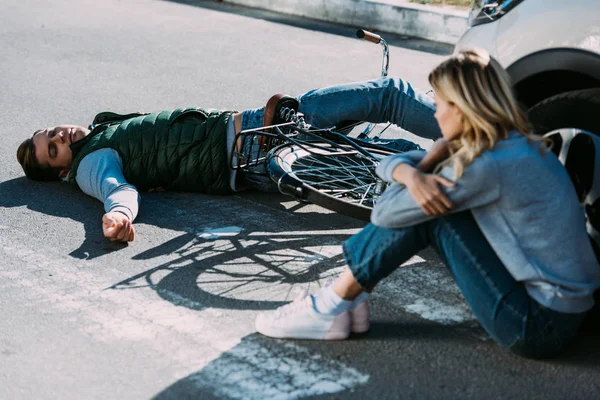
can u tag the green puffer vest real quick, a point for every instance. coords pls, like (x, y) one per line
(182, 149)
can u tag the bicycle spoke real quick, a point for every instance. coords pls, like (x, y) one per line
(337, 177)
(324, 177)
(348, 178)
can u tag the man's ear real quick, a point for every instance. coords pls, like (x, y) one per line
(64, 172)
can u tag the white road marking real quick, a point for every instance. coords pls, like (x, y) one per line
(427, 291)
(284, 371)
(218, 345)
(217, 233)
(216, 349)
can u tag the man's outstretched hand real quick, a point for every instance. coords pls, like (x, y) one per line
(117, 227)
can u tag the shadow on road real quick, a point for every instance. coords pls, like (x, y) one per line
(454, 361)
(67, 201)
(232, 271)
(61, 200)
(233, 265)
(249, 269)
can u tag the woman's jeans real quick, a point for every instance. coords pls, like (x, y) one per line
(501, 304)
(383, 100)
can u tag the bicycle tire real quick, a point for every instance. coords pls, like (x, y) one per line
(344, 182)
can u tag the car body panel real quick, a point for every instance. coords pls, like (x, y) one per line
(536, 25)
(483, 36)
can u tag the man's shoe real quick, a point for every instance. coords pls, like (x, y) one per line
(279, 109)
(300, 320)
(360, 318)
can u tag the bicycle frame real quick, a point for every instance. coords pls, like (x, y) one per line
(255, 151)
(251, 146)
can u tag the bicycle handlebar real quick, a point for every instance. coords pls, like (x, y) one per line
(373, 38)
(368, 36)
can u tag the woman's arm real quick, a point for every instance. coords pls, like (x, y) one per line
(406, 168)
(425, 189)
(398, 207)
(439, 151)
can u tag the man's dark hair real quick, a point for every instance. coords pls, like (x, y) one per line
(32, 169)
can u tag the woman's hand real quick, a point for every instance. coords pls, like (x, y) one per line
(117, 227)
(425, 189)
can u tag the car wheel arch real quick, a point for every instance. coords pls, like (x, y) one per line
(549, 72)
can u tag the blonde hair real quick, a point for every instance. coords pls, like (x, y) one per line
(476, 83)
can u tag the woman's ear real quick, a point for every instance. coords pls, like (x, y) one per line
(457, 112)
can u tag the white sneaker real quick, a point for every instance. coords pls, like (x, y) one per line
(360, 318)
(360, 315)
(300, 320)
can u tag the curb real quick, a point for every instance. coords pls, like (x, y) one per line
(444, 25)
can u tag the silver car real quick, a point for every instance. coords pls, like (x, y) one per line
(551, 50)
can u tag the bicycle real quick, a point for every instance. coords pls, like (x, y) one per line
(332, 167)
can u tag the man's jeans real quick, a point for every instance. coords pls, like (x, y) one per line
(501, 304)
(383, 100)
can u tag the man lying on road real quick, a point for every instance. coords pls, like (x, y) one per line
(189, 149)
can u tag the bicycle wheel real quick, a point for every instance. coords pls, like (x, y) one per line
(336, 177)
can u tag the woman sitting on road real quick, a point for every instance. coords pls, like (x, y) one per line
(499, 209)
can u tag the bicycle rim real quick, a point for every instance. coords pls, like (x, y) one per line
(345, 183)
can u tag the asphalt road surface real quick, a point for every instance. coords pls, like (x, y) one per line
(170, 316)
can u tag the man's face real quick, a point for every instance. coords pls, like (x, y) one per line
(52, 146)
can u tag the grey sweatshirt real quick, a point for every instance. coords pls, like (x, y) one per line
(100, 175)
(526, 207)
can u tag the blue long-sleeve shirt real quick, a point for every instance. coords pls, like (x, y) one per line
(100, 175)
(526, 207)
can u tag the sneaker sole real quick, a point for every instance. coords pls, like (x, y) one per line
(339, 330)
(282, 334)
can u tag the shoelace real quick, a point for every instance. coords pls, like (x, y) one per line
(287, 114)
(290, 115)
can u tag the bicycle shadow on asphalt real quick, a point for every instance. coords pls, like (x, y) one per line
(279, 259)
(282, 258)
(60, 199)
(251, 268)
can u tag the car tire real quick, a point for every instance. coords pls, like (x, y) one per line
(576, 109)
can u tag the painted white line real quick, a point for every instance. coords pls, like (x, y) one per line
(428, 291)
(217, 233)
(281, 371)
(308, 233)
(193, 340)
